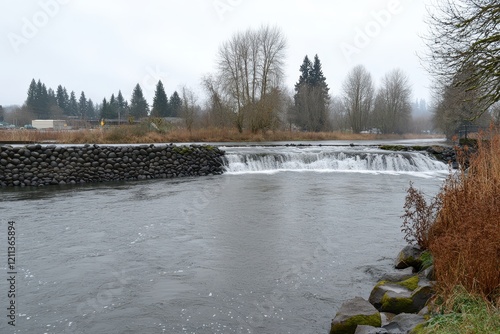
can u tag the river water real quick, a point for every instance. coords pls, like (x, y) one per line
(274, 245)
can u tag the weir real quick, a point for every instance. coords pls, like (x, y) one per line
(324, 160)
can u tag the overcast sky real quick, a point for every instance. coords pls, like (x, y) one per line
(104, 46)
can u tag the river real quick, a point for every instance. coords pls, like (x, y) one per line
(274, 245)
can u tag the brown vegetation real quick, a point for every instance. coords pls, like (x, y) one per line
(465, 238)
(461, 226)
(143, 133)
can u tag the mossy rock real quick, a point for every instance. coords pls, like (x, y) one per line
(182, 150)
(396, 303)
(406, 296)
(352, 313)
(410, 256)
(393, 147)
(405, 323)
(421, 296)
(410, 283)
(418, 329)
(404, 287)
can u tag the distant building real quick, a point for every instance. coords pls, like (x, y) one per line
(49, 124)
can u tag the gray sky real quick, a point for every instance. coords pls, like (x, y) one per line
(102, 46)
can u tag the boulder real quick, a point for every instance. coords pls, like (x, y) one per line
(428, 273)
(363, 329)
(398, 275)
(421, 296)
(352, 313)
(404, 323)
(409, 257)
(408, 296)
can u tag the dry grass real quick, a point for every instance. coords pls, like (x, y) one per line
(465, 238)
(142, 133)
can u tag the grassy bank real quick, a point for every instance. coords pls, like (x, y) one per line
(464, 312)
(464, 239)
(143, 133)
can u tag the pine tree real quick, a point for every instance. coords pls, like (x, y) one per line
(2, 114)
(83, 106)
(122, 105)
(305, 69)
(91, 110)
(160, 102)
(311, 97)
(41, 101)
(175, 105)
(32, 95)
(113, 107)
(105, 110)
(139, 107)
(61, 98)
(317, 79)
(73, 105)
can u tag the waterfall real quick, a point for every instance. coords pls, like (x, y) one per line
(328, 159)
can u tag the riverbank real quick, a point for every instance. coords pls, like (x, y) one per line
(463, 294)
(143, 133)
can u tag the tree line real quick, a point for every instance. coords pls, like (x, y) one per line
(45, 103)
(247, 89)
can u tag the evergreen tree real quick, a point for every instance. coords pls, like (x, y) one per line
(2, 114)
(113, 107)
(304, 69)
(91, 110)
(37, 100)
(139, 107)
(32, 95)
(42, 101)
(175, 105)
(83, 106)
(105, 110)
(61, 97)
(317, 79)
(73, 105)
(311, 97)
(160, 102)
(51, 98)
(122, 105)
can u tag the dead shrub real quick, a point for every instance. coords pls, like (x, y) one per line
(465, 238)
(419, 217)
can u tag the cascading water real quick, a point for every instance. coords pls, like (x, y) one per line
(328, 159)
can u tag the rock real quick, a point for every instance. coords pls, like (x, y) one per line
(39, 165)
(398, 275)
(428, 273)
(352, 313)
(421, 296)
(407, 296)
(409, 257)
(404, 323)
(363, 329)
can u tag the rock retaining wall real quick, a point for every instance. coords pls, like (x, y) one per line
(37, 165)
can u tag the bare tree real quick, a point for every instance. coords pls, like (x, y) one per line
(189, 107)
(495, 113)
(250, 67)
(358, 97)
(338, 114)
(455, 106)
(219, 109)
(392, 108)
(464, 37)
